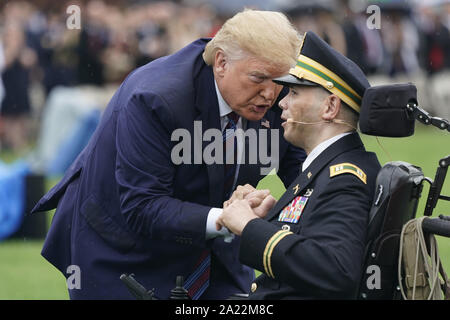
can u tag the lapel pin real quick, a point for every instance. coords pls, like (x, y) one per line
(295, 189)
(309, 175)
(265, 123)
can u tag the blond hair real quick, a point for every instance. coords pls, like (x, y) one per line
(266, 35)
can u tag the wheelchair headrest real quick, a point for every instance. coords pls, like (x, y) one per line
(384, 113)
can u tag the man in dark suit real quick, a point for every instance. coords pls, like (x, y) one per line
(310, 244)
(129, 205)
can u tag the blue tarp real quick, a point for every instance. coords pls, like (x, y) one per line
(12, 196)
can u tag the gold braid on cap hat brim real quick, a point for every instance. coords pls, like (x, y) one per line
(307, 68)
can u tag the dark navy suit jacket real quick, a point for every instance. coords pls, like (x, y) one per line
(124, 207)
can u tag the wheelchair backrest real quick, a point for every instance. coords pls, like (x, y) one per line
(398, 189)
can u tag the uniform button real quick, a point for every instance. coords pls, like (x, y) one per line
(285, 227)
(254, 287)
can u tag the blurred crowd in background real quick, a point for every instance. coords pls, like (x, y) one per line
(56, 81)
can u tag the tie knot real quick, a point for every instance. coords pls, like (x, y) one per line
(233, 116)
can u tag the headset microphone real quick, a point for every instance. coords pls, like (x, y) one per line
(290, 120)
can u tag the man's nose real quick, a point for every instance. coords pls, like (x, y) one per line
(268, 90)
(283, 103)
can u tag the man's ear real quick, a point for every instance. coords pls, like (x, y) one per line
(220, 63)
(332, 107)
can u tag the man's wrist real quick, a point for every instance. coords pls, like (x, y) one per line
(211, 231)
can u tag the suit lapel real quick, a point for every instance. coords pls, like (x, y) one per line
(299, 186)
(251, 172)
(208, 107)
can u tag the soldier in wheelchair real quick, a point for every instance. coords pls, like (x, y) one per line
(340, 227)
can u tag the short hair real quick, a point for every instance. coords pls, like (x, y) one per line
(350, 114)
(263, 34)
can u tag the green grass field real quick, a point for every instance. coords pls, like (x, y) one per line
(24, 274)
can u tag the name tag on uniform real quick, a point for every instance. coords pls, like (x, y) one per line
(292, 212)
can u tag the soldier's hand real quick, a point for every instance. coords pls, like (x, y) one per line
(236, 216)
(261, 203)
(240, 193)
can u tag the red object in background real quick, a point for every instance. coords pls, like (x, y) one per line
(436, 58)
(214, 30)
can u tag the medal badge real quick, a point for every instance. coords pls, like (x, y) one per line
(292, 212)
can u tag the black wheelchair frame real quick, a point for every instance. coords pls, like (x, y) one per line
(399, 189)
(391, 111)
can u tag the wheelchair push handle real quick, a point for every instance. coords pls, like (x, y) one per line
(438, 226)
(436, 186)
